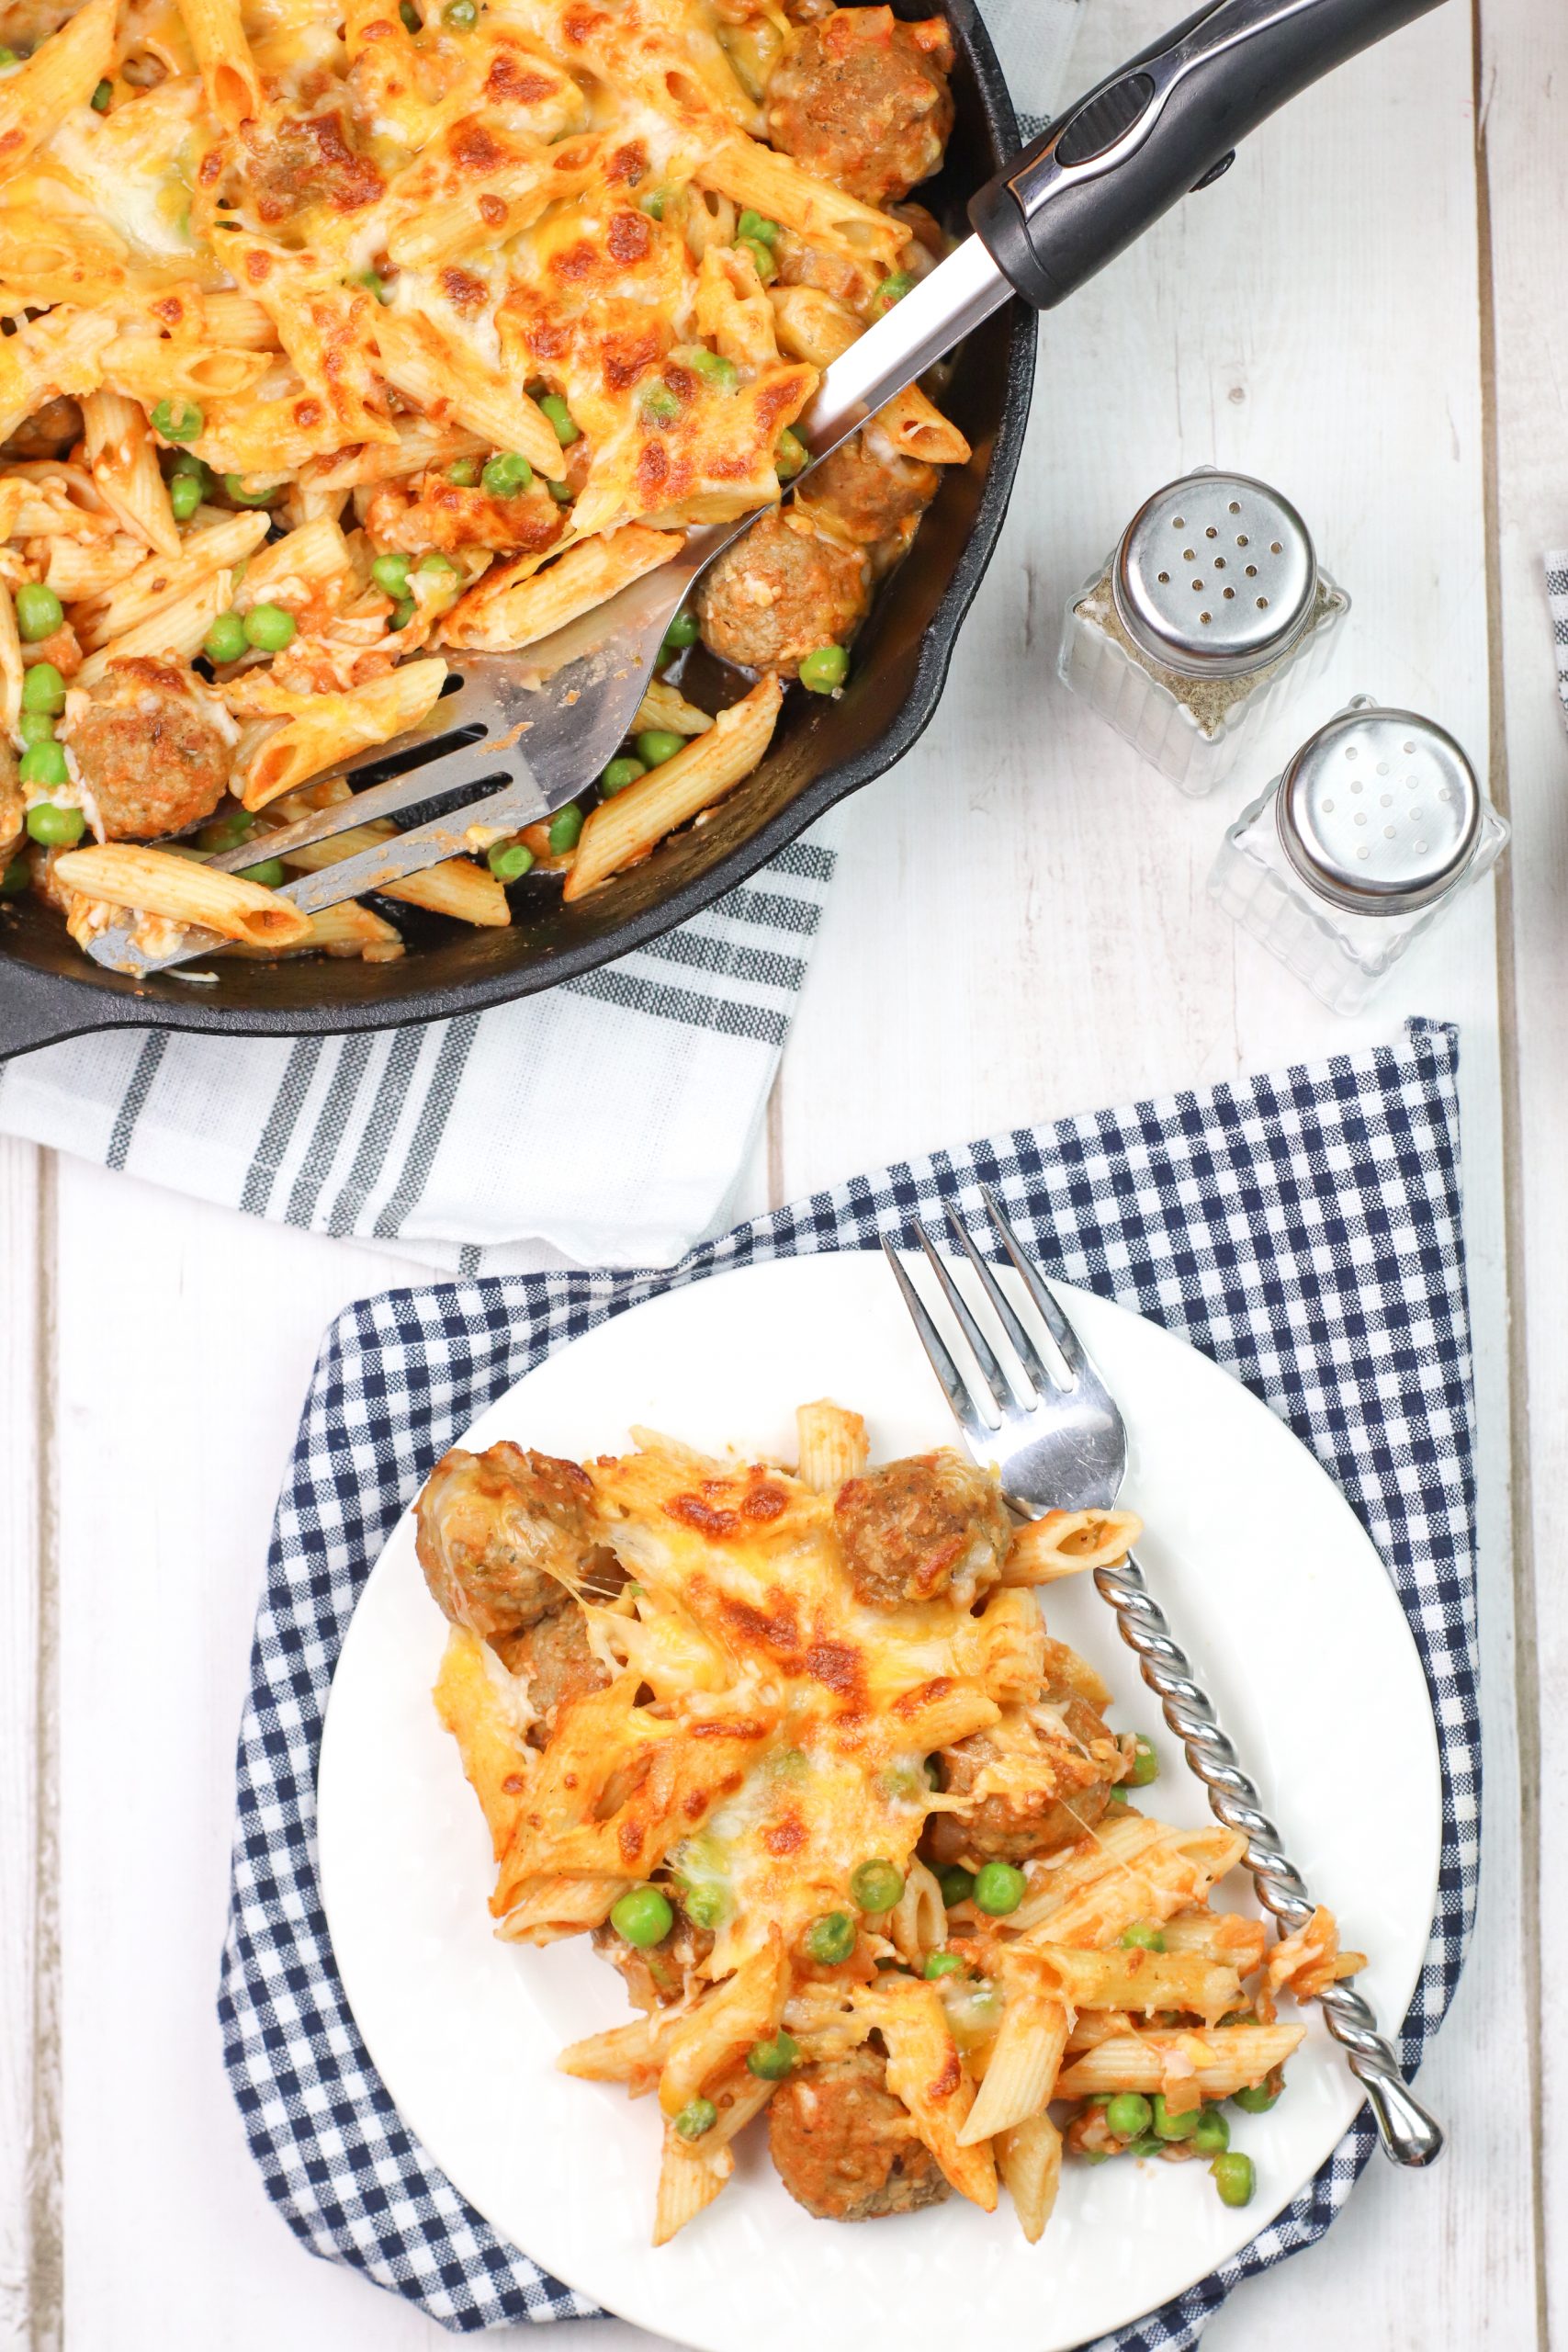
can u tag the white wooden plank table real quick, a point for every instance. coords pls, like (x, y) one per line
(1368, 312)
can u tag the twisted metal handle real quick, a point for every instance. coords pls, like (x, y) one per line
(1408, 2134)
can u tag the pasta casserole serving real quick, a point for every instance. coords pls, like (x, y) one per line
(343, 337)
(796, 1751)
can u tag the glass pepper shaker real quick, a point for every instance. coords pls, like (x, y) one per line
(1357, 848)
(1210, 609)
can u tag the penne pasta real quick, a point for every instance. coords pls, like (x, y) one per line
(438, 373)
(124, 466)
(173, 630)
(1029, 2159)
(756, 177)
(347, 930)
(1065, 1543)
(1026, 2056)
(1222, 2059)
(625, 829)
(515, 606)
(689, 2180)
(60, 74)
(834, 1446)
(329, 728)
(140, 596)
(454, 887)
(223, 53)
(926, 2072)
(151, 881)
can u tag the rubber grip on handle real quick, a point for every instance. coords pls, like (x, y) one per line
(1104, 172)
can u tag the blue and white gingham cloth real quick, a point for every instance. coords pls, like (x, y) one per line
(1302, 1230)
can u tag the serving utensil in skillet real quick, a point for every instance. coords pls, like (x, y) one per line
(540, 725)
(1060, 1444)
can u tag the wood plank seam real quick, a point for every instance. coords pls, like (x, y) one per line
(46, 2265)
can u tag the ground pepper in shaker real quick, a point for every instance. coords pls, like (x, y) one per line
(1209, 610)
(1360, 844)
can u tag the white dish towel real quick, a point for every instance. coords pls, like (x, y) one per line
(606, 1123)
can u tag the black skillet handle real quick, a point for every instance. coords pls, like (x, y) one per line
(1167, 123)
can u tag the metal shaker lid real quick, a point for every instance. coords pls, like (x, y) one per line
(1379, 811)
(1215, 575)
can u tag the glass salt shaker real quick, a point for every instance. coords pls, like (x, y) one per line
(1211, 608)
(1372, 829)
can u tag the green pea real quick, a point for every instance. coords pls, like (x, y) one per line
(705, 1906)
(559, 491)
(1141, 1936)
(618, 774)
(823, 672)
(830, 1938)
(1235, 2177)
(1145, 1765)
(436, 564)
(391, 573)
(565, 830)
(269, 874)
(771, 2061)
(790, 453)
(226, 640)
(721, 373)
(1257, 2098)
(1128, 2115)
(39, 612)
(269, 627)
(461, 14)
(1118, 1795)
(957, 1886)
(55, 828)
(657, 744)
(43, 688)
(464, 472)
(698, 2115)
(186, 461)
(184, 496)
(892, 290)
(410, 17)
(402, 612)
(567, 430)
(763, 254)
(654, 202)
(35, 727)
(509, 861)
(1145, 2146)
(940, 1964)
(999, 1887)
(660, 405)
(43, 764)
(8, 56)
(756, 227)
(643, 1917)
(374, 283)
(227, 832)
(683, 631)
(16, 879)
(236, 486)
(178, 420)
(1173, 2127)
(1212, 2136)
(99, 101)
(507, 474)
(877, 1885)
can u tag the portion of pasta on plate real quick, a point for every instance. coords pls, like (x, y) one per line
(797, 1751)
(345, 335)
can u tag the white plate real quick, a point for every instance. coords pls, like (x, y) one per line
(1282, 1601)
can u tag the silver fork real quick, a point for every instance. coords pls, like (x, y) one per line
(1062, 1445)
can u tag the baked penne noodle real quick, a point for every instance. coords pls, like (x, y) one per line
(745, 2009)
(1224, 2060)
(1138, 1981)
(1171, 1875)
(231, 317)
(330, 727)
(420, 444)
(544, 1910)
(60, 74)
(918, 1923)
(1010, 1633)
(174, 631)
(1227, 1937)
(664, 706)
(450, 384)
(224, 55)
(140, 595)
(689, 2180)
(181, 889)
(1026, 2055)
(1065, 1543)
(916, 429)
(123, 461)
(926, 2072)
(756, 177)
(80, 572)
(151, 368)
(625, 829)
(294, 567)
(454, 887)
(49, 358)
(834, 1446)
(482, 181)
(515, 604)
(1029, 2159)
(345, 930)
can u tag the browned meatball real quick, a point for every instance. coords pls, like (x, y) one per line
(309, 159)
(863, 100)
(911, 1530)
(1080, 1769)
(844, 2147)
(871, 492)
(501, 1535)
(781, 592)
(149, 753)
(48, 432)
(554, 1659)
(434, 513)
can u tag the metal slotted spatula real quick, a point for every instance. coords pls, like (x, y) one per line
(538, 726)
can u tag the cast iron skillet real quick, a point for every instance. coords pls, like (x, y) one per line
(823, 750)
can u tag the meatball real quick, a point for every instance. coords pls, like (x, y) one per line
(781, 592)
(50, 432)
(863, 100)
(869, 489)
(1054, 1806)
(844, 2147)
(912, 1530)
(434, 513)
(554, 1659)
(148, 751)
(501, 1534)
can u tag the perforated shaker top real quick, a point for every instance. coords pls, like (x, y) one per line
(1378, 812)
(1215, 575)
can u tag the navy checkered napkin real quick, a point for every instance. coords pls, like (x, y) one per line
(1302, 1229)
